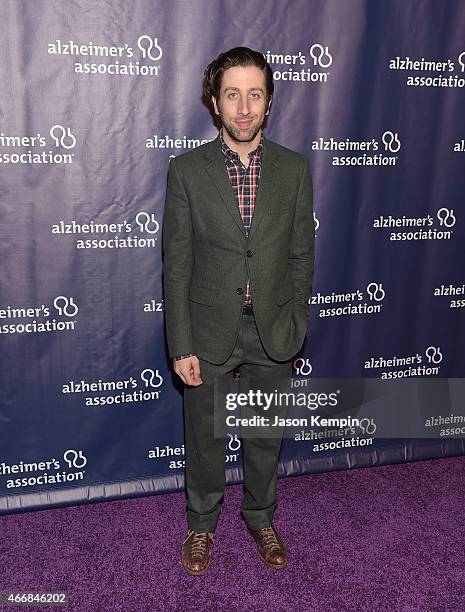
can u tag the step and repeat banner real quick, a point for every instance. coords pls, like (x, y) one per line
(96, 100)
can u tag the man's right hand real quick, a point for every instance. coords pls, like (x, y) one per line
(188, 370)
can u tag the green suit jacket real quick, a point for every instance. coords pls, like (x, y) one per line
(208, 257)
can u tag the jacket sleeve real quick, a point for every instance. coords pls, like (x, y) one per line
(302, 246)
(177, 250)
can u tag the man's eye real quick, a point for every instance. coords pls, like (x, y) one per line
(232, 94)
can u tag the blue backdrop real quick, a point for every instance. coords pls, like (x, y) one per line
(96, 99)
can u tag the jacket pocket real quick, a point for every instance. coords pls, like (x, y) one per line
(284, 293)
(202, 295)
(283, 207)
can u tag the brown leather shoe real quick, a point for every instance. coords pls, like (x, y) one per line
(271, 548)
(196, 552)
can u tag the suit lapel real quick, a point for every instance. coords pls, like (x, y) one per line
(218, 173)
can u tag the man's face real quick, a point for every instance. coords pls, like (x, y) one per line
(242, 102)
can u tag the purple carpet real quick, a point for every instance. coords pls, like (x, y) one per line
(388, 538)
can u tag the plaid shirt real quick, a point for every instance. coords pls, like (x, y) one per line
(244, 183)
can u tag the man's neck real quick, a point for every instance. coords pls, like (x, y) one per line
(242, 148)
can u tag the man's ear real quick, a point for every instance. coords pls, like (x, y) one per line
(215, 106)
(269, 106)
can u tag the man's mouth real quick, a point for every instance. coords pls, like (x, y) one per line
(244, 123)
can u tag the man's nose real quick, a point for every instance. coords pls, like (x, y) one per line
(244, 106)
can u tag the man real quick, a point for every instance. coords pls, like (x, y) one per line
(238, 235)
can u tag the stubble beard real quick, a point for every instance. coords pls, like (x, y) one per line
(238, 135)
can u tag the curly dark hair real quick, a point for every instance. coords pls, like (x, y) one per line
(238, 56)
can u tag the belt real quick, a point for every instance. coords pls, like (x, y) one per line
(247, 309)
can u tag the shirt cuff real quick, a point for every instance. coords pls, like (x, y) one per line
(183, 356)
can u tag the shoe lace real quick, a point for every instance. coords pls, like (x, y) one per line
(270, 539)
(199, 542)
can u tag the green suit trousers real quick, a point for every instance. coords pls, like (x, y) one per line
(205, 415)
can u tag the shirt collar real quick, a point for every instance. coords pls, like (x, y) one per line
(228, 152)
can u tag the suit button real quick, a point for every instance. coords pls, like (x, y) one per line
(249, 253)
(239, 291)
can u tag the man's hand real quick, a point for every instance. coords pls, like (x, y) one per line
(188, 370)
